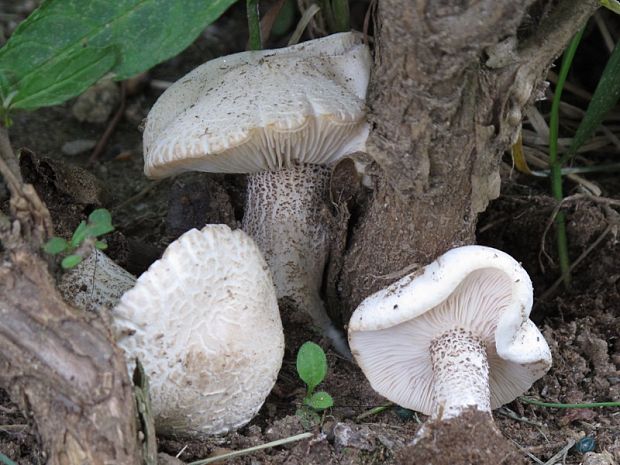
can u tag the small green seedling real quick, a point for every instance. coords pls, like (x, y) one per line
(99, 223)
(312, 368)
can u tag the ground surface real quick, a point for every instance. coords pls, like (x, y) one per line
(582, 325)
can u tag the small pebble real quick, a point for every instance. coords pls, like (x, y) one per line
(585, 444)
(78, 146)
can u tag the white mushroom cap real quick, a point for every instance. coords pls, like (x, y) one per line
(204, 322)
(263, 110)
(475, 288)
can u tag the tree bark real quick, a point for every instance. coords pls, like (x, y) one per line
(448, 88)
(58, 364)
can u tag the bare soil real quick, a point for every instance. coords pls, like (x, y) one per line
(581, 324)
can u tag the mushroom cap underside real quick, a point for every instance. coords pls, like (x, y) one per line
(263, 110)
(474, 288)
(204, 322)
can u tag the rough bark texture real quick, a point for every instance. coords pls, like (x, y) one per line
(58, 364)
(450, 81)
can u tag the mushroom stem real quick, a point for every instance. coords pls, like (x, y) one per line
(461, 374)
(286, 214)
(97, 283)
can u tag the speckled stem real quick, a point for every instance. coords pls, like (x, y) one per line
(286, 213)
(461, 373)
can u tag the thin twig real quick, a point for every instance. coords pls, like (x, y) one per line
(528, 453)
(510, 414)
(581, 257)
(249, 450)
(562, 453)
(134, 198)
(105, 137)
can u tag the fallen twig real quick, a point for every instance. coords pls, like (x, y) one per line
(105, 137)
(249, 450)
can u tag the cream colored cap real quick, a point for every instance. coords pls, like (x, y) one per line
(204, 322)
(475, 288)
(263, 110)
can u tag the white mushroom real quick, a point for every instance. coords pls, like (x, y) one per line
(204, 322)
(96, 283)
(452, 336)
(283, 116)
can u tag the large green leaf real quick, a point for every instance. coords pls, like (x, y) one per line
(59, 80)
(604, 99)
(65, 45)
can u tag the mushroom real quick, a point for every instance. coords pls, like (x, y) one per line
(284, 117)
(453, 336)
(204, 322)
(96, 283)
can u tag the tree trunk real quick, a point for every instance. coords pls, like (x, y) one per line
(58, 364)
(448, 88)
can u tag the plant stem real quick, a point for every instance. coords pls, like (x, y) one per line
(558, 405)
(555, 164)
(374, 411)
(340, 11)
(255, 41)
(249, 450)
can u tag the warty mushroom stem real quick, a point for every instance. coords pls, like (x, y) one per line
(461, 374)
(286, 214)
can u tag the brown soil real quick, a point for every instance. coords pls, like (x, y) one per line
(452, 441)
(582, 325)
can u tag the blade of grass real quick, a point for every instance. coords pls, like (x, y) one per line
(249, 450)
(605, 97)
(255, 42)
(340, 10)
(554, 163)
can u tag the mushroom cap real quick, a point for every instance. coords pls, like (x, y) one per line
(204, 322)
(263, 110)
(473, 287)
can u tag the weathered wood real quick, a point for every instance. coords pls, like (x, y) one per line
(448, 88)
(61, 366)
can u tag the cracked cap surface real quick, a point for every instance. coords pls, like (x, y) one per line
(204, 322)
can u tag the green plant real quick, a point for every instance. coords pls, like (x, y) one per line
(86, 234)
(312, 368)
(604, 99)
(63, 47)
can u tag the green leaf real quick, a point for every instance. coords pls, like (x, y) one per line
(101, 245)
(55, 245)
(79, 234)
(70, 261)
(604, 99)
(99, 222)
(59, 80)
(613, 5)
(320, 400)
(65, 45)
(311, 365)
(100, 216)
